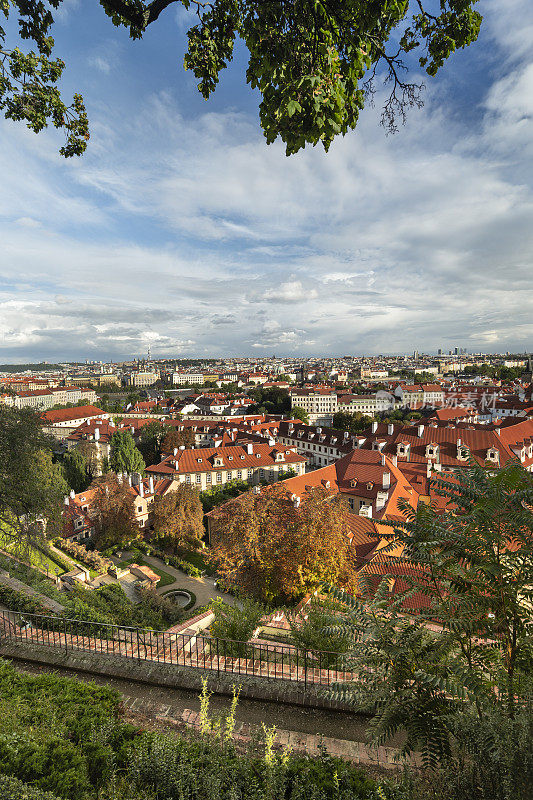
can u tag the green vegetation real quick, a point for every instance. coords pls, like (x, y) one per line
(61, 738)
(125, 457)
(297, 412)
(470, 569)
(18, 601)
(353, 423)
(270, 401)
(235, 623)
(218, 495)
(31, 577)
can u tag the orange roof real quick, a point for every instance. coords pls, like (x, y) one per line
(67, 414)
(233, 458)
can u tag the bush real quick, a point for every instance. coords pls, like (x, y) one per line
(12, 788)
(17, 601)
(91, 559)
(235, 623)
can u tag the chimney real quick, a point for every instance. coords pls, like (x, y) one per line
(390, 428)
(175, 451)
(249, 448)
(132, 429)
(72, 493)
(394, 460)
(386, 480)
(182, 447)
(428, 470)
(119, 477)
(141, 489)
(66, 501)
(271, 442)
(374, 427)
(297, 502)
(151, 484)
(129, 480)
(420, 431)
(96, 434)
(136, 478)
(217, 442)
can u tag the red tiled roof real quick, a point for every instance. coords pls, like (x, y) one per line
(66, 414)
(233, 458)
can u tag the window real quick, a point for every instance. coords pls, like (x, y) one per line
(239, 474)
(250, 473)
(219, 477)
(209, 479)
(139, 509)
(230, 458)
(230, 475)
(187, 479)
(262, 473)
(198, 478)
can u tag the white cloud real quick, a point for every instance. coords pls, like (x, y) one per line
(189, 233)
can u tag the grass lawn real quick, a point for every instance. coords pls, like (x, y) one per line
(166, 579)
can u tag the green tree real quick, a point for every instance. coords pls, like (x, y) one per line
(32, 486)
(125, 457)
(353, 423)
(235, 623)
(300, 413)
(313, 63)
(76, 470)
(468, 569)
(149, 443)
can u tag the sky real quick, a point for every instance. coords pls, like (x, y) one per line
(180, 228)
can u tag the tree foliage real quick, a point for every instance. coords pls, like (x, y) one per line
(149, 443)
(115, 513)
(177, 517)
(174, 438)
(353, 423)
(467, 642)
(235, 623)
(313, 63)
(81, 466)
(125, 457)
(277, 551)
(300, 413)
(32, 486)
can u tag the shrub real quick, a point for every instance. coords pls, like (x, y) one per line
(91, 559)
(235, 623)
(17, 601)
(12, 788)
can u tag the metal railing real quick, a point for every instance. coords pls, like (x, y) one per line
(191, 649)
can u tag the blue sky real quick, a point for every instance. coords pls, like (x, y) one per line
(180, 228)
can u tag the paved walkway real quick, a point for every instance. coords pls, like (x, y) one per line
(203, 588)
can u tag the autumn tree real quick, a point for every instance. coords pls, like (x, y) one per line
(32, 485)
(278, 549)
(125, 457)
(175, 438)
(314, 64)
(177, 517)
(114, 511)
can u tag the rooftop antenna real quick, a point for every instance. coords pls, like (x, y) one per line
(149, 353)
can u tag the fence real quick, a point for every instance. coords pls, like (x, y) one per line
(199, 651)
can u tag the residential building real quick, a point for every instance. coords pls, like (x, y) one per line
(320, 404)
(208, 467)
(63, 421)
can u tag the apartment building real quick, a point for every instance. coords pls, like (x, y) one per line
(320, 404)
(187, 378)
(41, 399)
(208, 467)
(321, 446)
(63, 421)
(141, 380)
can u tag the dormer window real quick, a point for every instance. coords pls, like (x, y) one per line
(258, 455)
(230, 458)
(493, 454)
(369, 486)
(402, 448)
(218, 462)
(242, 458)
(353, 484)
(198, 460)
(432, 451)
